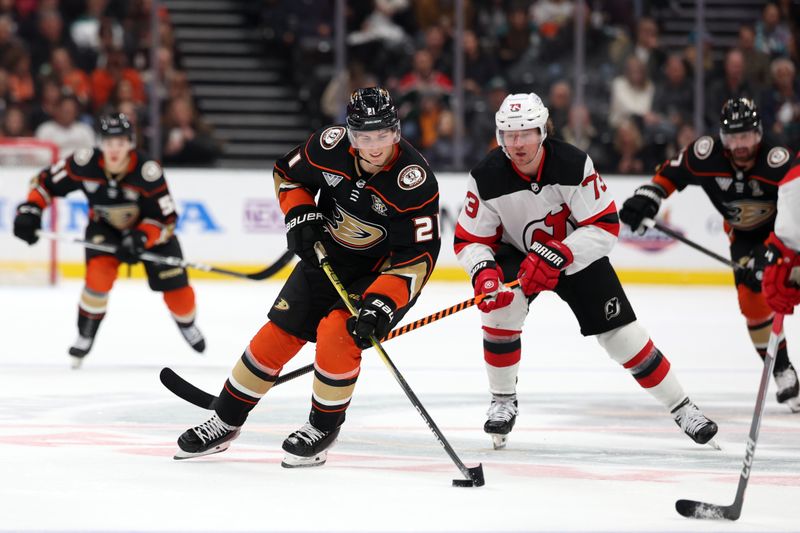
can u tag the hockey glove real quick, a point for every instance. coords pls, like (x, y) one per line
(131, 247)
(27, 222)
(488, 282)
(781, 277)
(540, 269)
(304, 228)
(374, 318)
(753, 272)
(643, 204)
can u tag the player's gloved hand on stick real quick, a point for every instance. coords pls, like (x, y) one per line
(752, 274)
(540, 269)
(643, 204)
(488, 282)
(781, 277)
(374, 318)
(131, 247)
(27, 222)
(304, 228)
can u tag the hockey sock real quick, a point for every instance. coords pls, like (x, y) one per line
(91, 310)
(502, 351)
(336, 370)
(181, 304)
(759, 333)
(631, 347)
(255, 372)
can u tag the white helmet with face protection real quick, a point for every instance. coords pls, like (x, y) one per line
(518, 112)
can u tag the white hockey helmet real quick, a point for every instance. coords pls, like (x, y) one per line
(522, 111)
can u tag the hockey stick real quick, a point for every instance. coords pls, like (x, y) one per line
(197, 396)
(472, 476)
(150, 257)
(695, 509)
(650, 223)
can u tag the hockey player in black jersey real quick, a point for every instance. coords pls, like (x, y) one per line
(130, 207)
(739, 170)
(536, 210)
(376, 215)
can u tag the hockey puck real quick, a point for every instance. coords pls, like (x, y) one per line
(463, 483)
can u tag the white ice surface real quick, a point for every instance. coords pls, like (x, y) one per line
(91, 450)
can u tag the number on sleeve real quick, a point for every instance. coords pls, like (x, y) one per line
(471, 205)
(423, 229)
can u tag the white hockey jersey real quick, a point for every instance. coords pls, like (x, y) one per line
(787, 222)
(567, 201)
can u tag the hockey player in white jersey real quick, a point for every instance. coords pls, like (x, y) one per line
(537, 211)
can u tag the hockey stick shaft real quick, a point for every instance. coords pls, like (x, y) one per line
(176, 261)
(650, 223)
(473, 475)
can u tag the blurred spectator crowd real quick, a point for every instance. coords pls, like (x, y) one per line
(63, 63)
(639, 95)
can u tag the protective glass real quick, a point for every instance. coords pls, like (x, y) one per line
(519, 138)
(367, 140)
(742, 139)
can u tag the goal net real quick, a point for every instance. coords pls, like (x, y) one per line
(20, 160)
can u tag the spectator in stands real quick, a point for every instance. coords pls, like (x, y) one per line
(580, 131)
(70, 77)
(482, 128)
(732, 85)
(187, 140)
(559, 102)
(20, 80)
(756, 62)
(627, 157)
(553, 19)
(50, 35)
(440, 154)
(165, 67)
(631, 93)
(479, 67)
(780, 104)
(436, 42)
(5, 96)
(673, 103)
(104, 79)
(773, 36)
(15, 123)
(423, 79)
(515, 39)
(85, 33)
(49, 95)
(645, 47)
(690, 54)
(9, 43)
(65, 130)
(335, 97)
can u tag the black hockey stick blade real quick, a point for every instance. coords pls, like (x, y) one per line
(185, 390)
(475, 478)
(272, 269)
(707, 511)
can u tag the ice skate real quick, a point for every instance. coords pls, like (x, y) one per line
(193, 336)
(308, 446)
(788, 388)
(79, 349)
(694, 423)
(212, 436)
(501, 416)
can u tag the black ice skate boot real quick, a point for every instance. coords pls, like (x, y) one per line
(788, 388)
(193, 336)
(501, 416)
(308, 446)
(87, 329)
(212, 436)
(694, 423)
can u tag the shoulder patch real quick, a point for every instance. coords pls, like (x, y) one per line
(778, 157)
(329, 138)
(703, 147)
(411, 177)
(151, 171)
(82, 156)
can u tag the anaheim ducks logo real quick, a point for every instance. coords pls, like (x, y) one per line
(749, 214)
(352, 232)
(331, 137)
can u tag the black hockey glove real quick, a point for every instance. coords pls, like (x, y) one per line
(374, 318)
(27, 222)
(754, 264)
(643, 204)
(304, 228)
(131, 247)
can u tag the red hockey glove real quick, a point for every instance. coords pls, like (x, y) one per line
(539, 271)
(780, 285)
(488, 282)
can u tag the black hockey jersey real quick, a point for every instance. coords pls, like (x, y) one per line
(390, 217)
(745, 199)
(137, 198)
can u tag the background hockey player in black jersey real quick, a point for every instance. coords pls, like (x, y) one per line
(129, 207)
(536, 210)
(376, 215)
(739, 171)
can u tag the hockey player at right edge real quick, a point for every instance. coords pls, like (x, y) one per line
(536, 210)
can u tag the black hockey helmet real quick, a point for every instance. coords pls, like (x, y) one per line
(738, 115)
(370, 109)
(115, 125)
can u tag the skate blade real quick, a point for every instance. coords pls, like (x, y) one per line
(180, 454)
(713, 443)
(499, 441)
(296, 461)
(75, 362)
